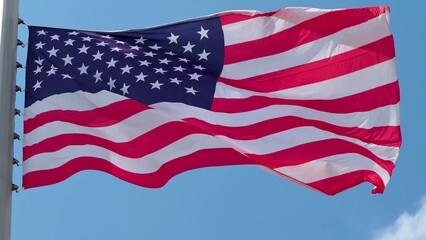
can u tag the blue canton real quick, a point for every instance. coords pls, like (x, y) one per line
(175, 63)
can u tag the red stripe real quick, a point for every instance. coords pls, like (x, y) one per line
(173, 131)
(315, 150)
(98, 117)
(378, 97)
(151, 141)
(305, 32)
(229, 18)
(384, 136)
(203, 158)
(334, 185)
(318, 71)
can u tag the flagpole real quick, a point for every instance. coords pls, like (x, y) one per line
(8, 44)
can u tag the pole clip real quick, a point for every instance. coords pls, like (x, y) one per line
(20, 43)
(15, 162)
(17, 112)
(20, 21)
(15, 188)
(16, 136)
(18, 88)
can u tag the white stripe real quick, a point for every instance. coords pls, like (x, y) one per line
(383, 116)
(147, 164)
(267, 144)
(379, 117)
(301, 135)
(123, 131)
(346, 85)
(327, 47)
(261, 27)
(333, 166)
(78, 101)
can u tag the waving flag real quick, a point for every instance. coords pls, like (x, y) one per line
(310, 94)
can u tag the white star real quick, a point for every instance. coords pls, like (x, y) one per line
(140, 40)
(83, 69)
(103, 44)
(183, 60)
(40, 45)
(188, 47)
(53, 52)
(175, 80)
(140, 77)
(74, 33)
(37, 85)
(87, 39)
(124, 89)
(41, 32)
(111, 83)
(137, 48)
(195, 76)
(191, 90)
(83, 49)
(97, 76)
(126, 69)
(39, 61)
(155, 47)
(203, 55)
(67, 60)
(69, 42)
(144, 63)
(164, 61)
(149, 54)
(54, 37)
(64, 76)
(119, 42)
(160, 70)
(173, 38)
(107, 37)
(179, 69)
(52, 70)
(38, 70)
(111, 63)
(199, 67)
(203, 33)
(116, 49)
(97, 56)
(170, 53)
(156, 85)
(130, 55)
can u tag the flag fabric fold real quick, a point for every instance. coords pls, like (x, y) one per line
(310, 94)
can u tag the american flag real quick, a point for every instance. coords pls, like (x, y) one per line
(310, 94)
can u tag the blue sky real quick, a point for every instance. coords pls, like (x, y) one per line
(241, 202)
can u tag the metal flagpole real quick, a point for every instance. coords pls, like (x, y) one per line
(8, 45)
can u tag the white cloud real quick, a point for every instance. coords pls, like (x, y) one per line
(407, 226)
